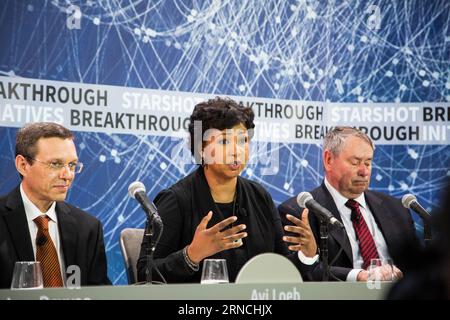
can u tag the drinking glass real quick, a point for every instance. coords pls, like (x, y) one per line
(381, 270)
(27, 275)
(214, 271)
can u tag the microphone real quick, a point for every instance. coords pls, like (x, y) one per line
(136, 190)
(409, 201)
(306, 200)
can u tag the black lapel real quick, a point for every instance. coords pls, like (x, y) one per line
(67, 231)
(382, 216)
(246, 212)
(16, 221)
(324, 197)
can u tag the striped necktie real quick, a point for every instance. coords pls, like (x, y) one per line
(47, 255)
(366, 243)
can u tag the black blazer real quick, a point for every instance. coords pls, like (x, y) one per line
(392, 218)
(182, 207)
(81, 237)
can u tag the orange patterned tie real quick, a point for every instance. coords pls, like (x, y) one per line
(46, 254)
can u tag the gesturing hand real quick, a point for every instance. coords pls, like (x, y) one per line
(208, 242)
(304, 241)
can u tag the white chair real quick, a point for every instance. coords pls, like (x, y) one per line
(130, 245)
(269, 268)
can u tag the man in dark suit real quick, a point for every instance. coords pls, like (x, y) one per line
(376, 224)
(36, 223)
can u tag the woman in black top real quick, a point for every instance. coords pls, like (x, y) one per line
(213, 212)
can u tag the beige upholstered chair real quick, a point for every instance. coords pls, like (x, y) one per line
(130, 244)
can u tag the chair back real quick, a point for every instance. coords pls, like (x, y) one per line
(130, 245)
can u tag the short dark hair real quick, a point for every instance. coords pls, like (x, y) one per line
(219, 113)
(28, 136)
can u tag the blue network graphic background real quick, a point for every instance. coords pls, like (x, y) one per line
(300, 50)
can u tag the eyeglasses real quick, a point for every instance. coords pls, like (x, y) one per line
(57, 166)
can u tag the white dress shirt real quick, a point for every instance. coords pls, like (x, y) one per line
(345, 213)
(32, 212)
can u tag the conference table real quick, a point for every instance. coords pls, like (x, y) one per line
(232, 291)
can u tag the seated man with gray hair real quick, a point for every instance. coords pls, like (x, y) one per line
(376, 224)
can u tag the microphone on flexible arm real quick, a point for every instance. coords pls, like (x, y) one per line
(409, 201)
(306, 200)
(136, 190)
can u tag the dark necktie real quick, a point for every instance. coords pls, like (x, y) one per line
(47, 255)
(367, 245)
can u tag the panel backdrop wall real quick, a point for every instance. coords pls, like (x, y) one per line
(125, 75)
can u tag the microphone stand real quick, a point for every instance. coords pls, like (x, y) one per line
(324, 249)
(150, 249)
